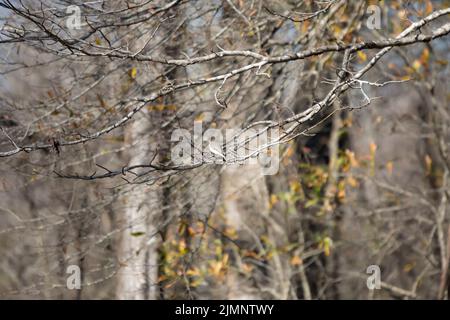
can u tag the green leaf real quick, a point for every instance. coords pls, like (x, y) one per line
(137, 233)
(311, 202)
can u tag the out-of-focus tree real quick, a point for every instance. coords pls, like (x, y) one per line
(91, 94)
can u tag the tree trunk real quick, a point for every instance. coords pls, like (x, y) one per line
(138, 256)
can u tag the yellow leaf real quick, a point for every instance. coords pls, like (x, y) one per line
(326, 244)
(425, 56)
(295, 186)
(133, 73)
(429, 7)
(169, 285)
(347, 122)
(162, 278)
(192, 272)
(196, 282)
(305, 26)
(362, 56)
(428, 164)
(230, 232)
(408, 267)
(352, 182)
(225, 259)
(392, 66)
(289, 152)
(98, 41)
(389, 167)
(373, 149)
(216, 267)
(416, 65)
(182, 247)
(191, 231)
(405, 78)
(273, 200)
(296, 261)
(200, 117)
(336, 30)
(247, 268)
(341, 195)
(402, 14)
(351, 158)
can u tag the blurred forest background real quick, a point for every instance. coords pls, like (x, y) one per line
(359, 90)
